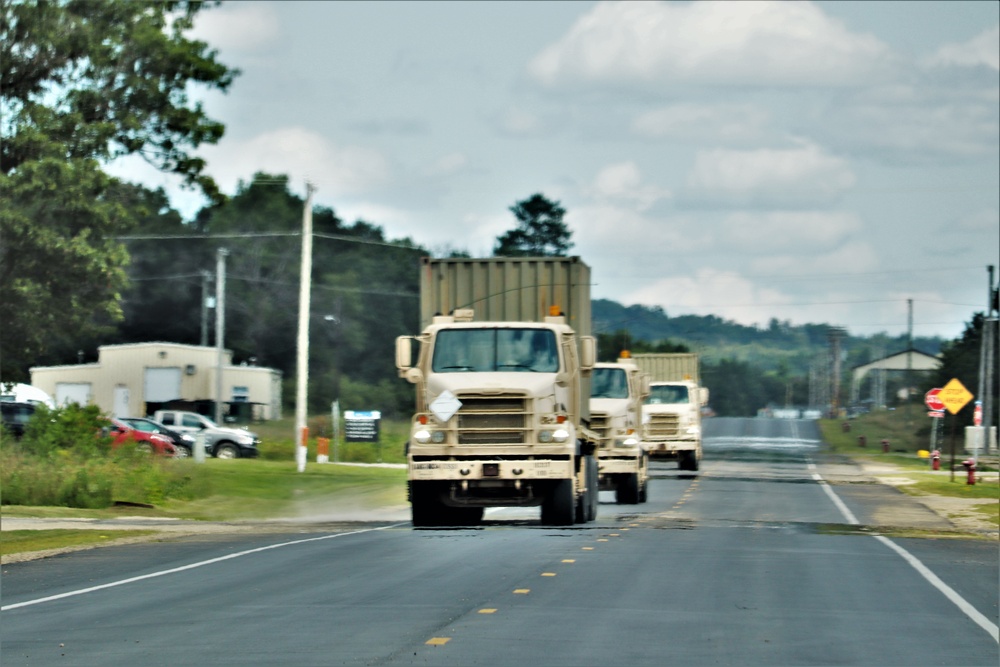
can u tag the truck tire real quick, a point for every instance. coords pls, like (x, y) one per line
(687, 460)
(426, 509)
(586, 504)
(558, 508)
(627, 491)
(595, 497)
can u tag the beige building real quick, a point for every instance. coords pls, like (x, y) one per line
(136, 379)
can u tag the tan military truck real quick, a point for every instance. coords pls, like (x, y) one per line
(617, 391)
(502, 378)
(671, 414)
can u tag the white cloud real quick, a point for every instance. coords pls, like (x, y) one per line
(300, 153)
(983, 49)
(777, 231)
(519, 123)
(853, 256)
(916, 127)
(447, 165)
(623, 181)
(793, 177)
(723, 124)
(745, 43)
(241, 27)
(711, 292)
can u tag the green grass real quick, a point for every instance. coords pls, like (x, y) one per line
(278, 441)
(20, 541)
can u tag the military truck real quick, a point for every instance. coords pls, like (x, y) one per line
(502, 378)
(671, 414)
(616, 395)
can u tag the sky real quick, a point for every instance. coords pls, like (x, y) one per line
(810, 162)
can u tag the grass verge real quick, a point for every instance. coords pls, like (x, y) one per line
(20, 541)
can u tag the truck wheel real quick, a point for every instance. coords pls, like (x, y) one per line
(687, 460)
(627, 492)
(227, 451)
(425, 507)
(558, 507)
(467, 516)
(595, 497)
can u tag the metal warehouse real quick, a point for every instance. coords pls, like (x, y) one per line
(137, 379)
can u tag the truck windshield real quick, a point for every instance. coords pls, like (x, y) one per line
(667, 394)
(608, 383)
(491, 350)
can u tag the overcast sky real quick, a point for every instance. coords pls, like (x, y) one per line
(805, 161)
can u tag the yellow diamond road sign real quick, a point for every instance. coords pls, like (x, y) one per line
(954, 395)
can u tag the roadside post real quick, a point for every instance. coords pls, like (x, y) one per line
(199, 447)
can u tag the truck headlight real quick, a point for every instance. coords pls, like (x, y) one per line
(423, 436)
(692, 430)
(545, 436)
(437, 437)
(560, 435)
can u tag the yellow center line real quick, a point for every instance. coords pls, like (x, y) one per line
(569, 560)
(602, 539)
(487, 611)
(548, 574)
(588, 548)
(438, 641)
(522, 591)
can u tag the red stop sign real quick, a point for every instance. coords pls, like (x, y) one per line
(932, 400)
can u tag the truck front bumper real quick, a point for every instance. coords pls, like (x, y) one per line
(669, 447)
(487, 470)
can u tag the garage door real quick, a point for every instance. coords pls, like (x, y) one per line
(162, 385)
(72, 392)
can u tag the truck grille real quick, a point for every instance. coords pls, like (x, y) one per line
(489, 420)
(663, 426)
(599, 423)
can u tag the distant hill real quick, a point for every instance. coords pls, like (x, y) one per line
(779, 344)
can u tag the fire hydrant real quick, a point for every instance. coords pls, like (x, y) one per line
(862, 441)
(885, 446)
(846, 427)
(970, 467)
(936, 460)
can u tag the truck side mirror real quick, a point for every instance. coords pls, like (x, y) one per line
(703, 395)
(404, 352)
(588, 352)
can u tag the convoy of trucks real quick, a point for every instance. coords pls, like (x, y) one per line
(617, 393)
(502, 376)
(671, 414)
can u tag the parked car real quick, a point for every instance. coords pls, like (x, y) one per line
(182, 441)
(122, 434)
(220, 441)
(15, 415)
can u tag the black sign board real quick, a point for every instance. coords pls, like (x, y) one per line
(361, 426)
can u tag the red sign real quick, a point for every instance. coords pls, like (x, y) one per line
(977, 414)
(936, 414)
(933, 401)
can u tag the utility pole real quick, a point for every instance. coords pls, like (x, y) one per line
(220, 327)
(834, 335)
(302, 362)
(987, 340)
(205, 277)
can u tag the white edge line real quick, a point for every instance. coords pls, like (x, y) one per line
(191, 566)
(949, 592)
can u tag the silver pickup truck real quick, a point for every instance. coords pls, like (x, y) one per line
(220, 441)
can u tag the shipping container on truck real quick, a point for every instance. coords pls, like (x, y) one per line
(502, 376)
(671, 414)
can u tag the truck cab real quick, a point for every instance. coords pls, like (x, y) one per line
(499, 420)
(671, 418)
(617, 392)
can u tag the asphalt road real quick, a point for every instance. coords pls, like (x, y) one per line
(754, 560)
